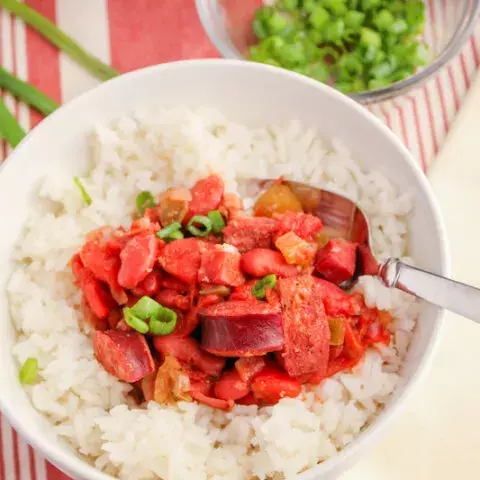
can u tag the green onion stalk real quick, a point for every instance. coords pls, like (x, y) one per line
(60, 39)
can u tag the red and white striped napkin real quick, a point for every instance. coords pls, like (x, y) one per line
(130, 35)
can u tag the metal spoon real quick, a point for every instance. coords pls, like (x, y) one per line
(345, 218)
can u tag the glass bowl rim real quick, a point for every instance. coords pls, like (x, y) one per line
(226, 48)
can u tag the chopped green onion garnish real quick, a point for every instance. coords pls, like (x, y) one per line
(29, 371)
(258, 289)
(86, 197)
(134, 322)
(165, 323)
(161, 320)
(218, 223)
(146, 308)
(178, 235)
(172, 229)
(27, 93)
(199, 220)
(145, 200)
(10, 129)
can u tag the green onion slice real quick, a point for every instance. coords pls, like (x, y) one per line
(259, 288)
(134, 322)
(161, 320)
(164, 324)
(169, 230)
(199, 220)
(178, 235)
(86, 197)
(145, 200)
(29, 371)
(218, 223)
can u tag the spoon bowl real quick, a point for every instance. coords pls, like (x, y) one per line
(342, 217)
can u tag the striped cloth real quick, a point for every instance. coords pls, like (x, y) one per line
(130, 35)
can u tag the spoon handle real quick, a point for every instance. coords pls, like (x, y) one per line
(454, 296)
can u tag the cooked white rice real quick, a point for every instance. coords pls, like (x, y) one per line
(87, 406)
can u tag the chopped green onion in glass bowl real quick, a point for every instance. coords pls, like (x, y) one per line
(369, 49)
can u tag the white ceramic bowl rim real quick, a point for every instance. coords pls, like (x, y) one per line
(80, 469)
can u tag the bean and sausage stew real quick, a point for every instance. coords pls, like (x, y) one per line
(201, 301)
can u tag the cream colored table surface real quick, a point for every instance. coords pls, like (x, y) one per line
(438, 434)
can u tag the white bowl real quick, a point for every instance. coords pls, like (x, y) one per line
(246, 92)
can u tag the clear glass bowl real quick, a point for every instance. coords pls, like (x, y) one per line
(448, 25)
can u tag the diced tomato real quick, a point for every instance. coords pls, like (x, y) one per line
(230, 386)
(188, 350)
(305, 326)
(271, 385)
(246, 233)
(295, 250)
(182, 258)
(213, 402)
(207, 195)
(248, 367)
(105, 265)
(260, 262)
(150, 285)
(90, 317)
(244, 292)
(221, 268)
(336, 261)
(125, 355)
(96, 295)
(172, 299)
(338, 303)
(304, 225)
(138, 258)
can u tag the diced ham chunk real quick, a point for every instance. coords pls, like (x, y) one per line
(260, 262)
(182, 258)
(304, 225)
(137, 260)
(207, 195)
(305, 325)
(95, 293)
(338, 303)
(336, 261)
(221, 268)
(247, 233)
(125, 355)
(237, 329)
